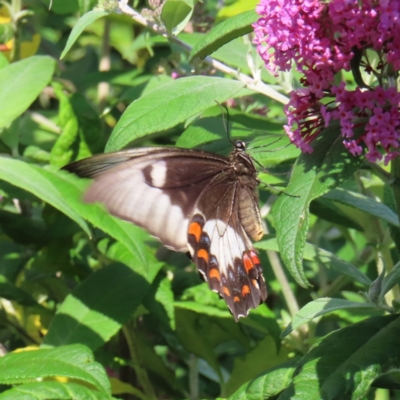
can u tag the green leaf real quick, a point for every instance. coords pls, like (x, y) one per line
(200, 334)
(79, 27)
(345, 363)
(21, 83)
(42, 183)
(143, 262)
(98, 307)
(181, 99)
(165, 296)
(62, 151)
(364, 203)
(174, 12)
(64, 191)
(236, 7)
(320, 307)
(21, 228)
(329, 260)
(313, 175)
(3, 60)
(53, 391)
(223, 33)
(262, 357)
(73, 362)
(269, 384)
(390, 280)
(202, 309)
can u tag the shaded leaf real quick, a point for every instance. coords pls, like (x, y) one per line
(98, 307)
(345, 363)
(11, 292)
(264, 355)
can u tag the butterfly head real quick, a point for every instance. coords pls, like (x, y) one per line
(240, 146)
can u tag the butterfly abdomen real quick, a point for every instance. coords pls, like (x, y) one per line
(249, 213)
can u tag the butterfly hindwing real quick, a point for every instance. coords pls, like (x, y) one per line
(222, 250)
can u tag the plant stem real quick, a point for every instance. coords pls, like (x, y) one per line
(277, 267)
(253, 84)
(103, 88)
(193, 378)
(130, 334)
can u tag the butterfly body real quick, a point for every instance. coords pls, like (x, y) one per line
(193, 201)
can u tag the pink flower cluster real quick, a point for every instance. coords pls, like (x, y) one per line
(322, 38)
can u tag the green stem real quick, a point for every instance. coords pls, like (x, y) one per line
(16, 6)
(105, 65)
(130, 334)
(193, 378)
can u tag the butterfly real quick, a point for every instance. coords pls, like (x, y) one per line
(190, 200)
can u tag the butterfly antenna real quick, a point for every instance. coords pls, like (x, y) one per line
(278, 191)
(225, 121)
(269, 144)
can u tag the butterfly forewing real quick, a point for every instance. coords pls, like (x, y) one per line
(192, 200)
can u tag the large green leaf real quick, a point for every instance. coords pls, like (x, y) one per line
(169, 105)
(53, 391)
(21, 83)
(73, 362)
(313, 175)
(345, 363)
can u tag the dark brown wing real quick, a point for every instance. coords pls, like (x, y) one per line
(155, 188)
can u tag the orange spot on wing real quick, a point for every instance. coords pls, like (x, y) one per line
(195, 230)
(203, 254)
(248, 264)
(254, 257)
(245, 290)
(236, 299)
(214, 273)
(226, 291)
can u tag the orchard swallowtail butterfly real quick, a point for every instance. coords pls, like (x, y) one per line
(190, 200)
